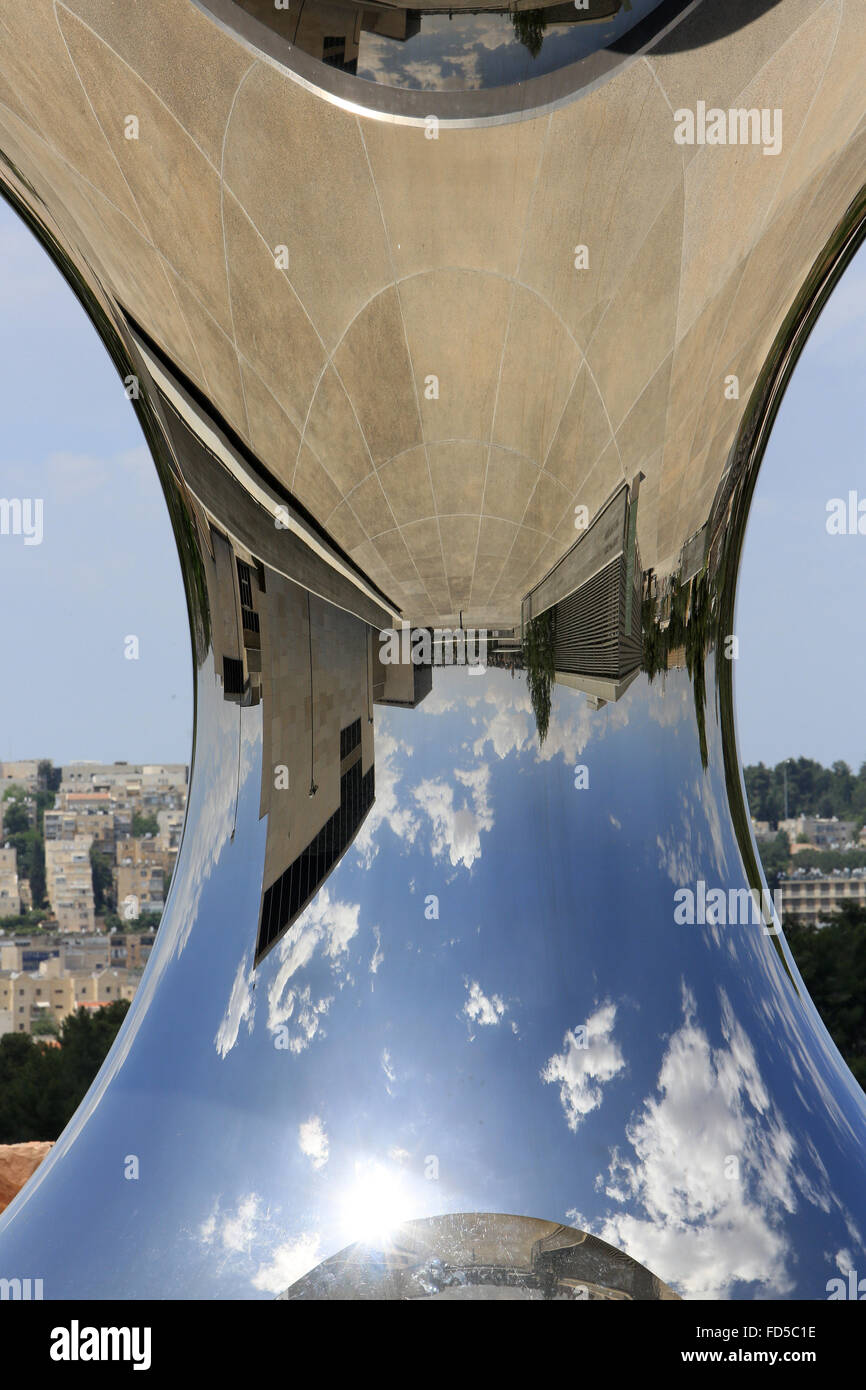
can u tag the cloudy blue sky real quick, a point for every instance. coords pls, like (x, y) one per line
(107, 566)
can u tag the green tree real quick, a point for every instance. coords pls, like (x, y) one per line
(16, 819)
(775, 857)
(50, 777)
(103, 882)
(45, 1026)
(41, 1086)
(832, 961)
(31, 861)
(144, 825)
(539, 642)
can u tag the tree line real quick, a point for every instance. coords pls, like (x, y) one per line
(813, 790)
(41, 1084)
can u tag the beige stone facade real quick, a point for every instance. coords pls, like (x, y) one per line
(316, 660)
(69, 883)
(24, 773)
(10, 894)
(814, 900)
(29, 996)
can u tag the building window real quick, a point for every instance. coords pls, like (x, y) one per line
(245, 585)
(284, 899)
(350, 738)
(233, 676)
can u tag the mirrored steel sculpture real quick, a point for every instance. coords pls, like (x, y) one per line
(456, 344)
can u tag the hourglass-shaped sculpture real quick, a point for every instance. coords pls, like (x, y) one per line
(457, 334)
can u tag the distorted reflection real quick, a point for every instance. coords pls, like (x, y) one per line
(453, 46)
(423, 1017)
(486, 1256)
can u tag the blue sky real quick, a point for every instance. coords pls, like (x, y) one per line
(107, 566)
(801, 672)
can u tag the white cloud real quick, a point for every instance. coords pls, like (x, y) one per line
(235, 1230)
(479, 1009)
(693, 1218)
(288, 1262)
(388, 1069)
(240, 1234)
(580, 1071)
(313, 1141)
(392, 757)
(327, 926)
(241, 1006)
(457, 830)
(378, 955)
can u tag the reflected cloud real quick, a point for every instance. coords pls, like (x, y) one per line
(241, 1007)
(313, 1141)
(392, 758)
(480, 1009)
(390, 1073)
(711, 1170)
(457, 830)
(589, 1058)
(288, 1262)
(325, 929)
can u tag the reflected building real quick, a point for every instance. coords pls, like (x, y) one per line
(592, 599)
(339, 32)
(318, 772)
(317, 672)
(389, 327)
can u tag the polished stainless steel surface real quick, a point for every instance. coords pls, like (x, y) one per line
(457, 943)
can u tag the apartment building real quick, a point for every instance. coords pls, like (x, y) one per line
(824, 832)
(10, 896)
(142, 783)
(131, 950)
(101, 987)
(813, 897)
(170, 827)
(69, 883)
(140, 888)
(23, 773)
(26, 997)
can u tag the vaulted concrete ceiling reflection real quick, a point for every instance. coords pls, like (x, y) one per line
(496, 352)
(424, 365)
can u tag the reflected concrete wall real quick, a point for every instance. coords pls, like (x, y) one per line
(452, 258)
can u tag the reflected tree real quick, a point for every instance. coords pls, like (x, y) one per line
(539, 640)
(529, 27)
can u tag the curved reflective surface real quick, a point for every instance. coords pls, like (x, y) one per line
(480, 1256)
(451, 47)
(467, 917)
